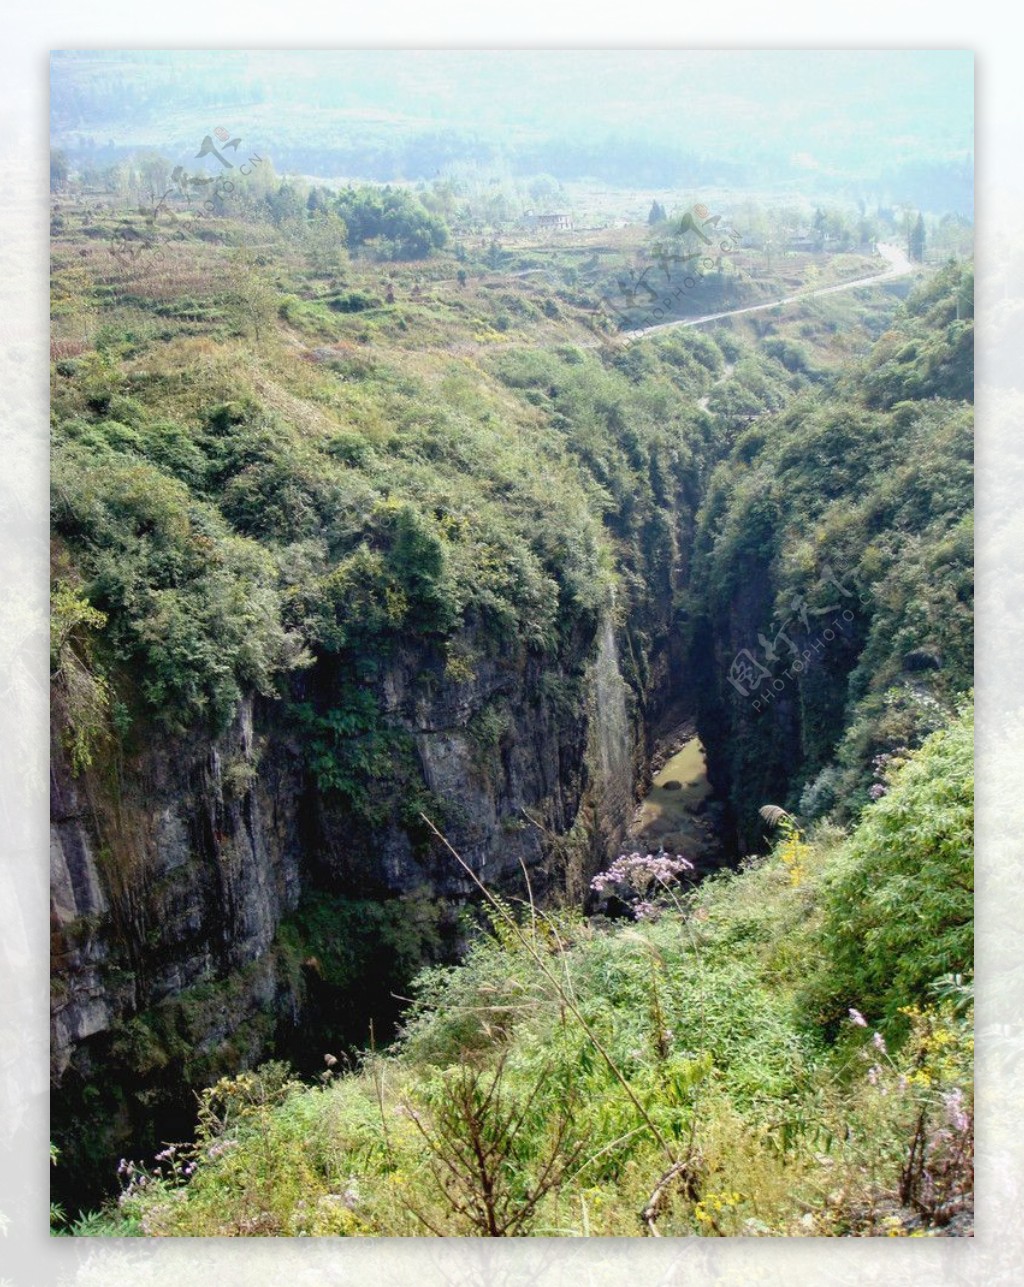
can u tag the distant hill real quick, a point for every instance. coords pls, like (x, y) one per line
(892, 126)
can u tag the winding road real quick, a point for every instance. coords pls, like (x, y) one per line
(899, 266)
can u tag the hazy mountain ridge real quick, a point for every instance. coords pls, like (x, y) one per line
(896, 125)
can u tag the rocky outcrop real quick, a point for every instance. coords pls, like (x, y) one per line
(173, 870)
(770, 697)
(167, 872)
(508, 756)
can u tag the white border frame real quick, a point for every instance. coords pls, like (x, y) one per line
(27, 1254)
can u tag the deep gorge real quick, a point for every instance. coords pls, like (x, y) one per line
(249, 875)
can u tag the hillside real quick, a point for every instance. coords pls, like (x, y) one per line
(374, 541)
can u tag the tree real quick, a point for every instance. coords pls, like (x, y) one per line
(397, 221)
(58, 170)
(155, 173)
(325, 237)
(117, 179)
(867, 232)
(442, 200)
(286, 203)
(545, 190)
(253, 296)
(915, 241)
(657, 213)
(837, 231)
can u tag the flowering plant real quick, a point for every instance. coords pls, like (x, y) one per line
(930, 1077)
(642, 874)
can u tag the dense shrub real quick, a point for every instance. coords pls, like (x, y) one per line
(836, 503)
(393, 217)
(899, 898)
(192, 611)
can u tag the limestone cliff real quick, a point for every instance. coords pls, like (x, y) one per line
(172, 870)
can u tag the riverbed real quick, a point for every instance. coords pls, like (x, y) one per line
(677, 814)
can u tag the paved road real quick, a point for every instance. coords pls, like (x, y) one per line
(899, 266)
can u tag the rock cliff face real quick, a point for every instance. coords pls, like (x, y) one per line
(172, 873)
(486, 748)
(778, 722)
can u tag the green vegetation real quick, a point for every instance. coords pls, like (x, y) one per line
(371, 453)
(249, 512)
(913, 850)
(395, 220)
(679, 1074)
(81, 697)
(362, 955)
(851, 513)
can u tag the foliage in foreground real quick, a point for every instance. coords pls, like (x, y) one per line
(673, 1075)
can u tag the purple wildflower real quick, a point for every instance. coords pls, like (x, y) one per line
(956, 1113)
(878, 1041)
(876, 791)
(874, 1072)
(220, 1148)
(642, 872)
(857, 1018)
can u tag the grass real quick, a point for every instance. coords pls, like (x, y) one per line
(579, 1078)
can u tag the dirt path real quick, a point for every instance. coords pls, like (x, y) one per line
(899, 266)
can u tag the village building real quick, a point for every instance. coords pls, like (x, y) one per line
(557, 222)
